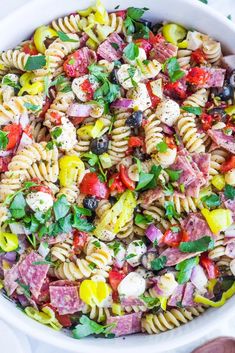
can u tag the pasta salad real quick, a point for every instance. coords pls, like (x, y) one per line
(117, 161)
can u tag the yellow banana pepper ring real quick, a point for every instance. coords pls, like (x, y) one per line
(225, 296)
(46, 316)
(218, 220)
(71, 170)
(94, 293)
(175, 34)
(218, 181)
(40, 35)
(8, 241)
(28, 86)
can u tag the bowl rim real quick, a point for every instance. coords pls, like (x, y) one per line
(46, 335)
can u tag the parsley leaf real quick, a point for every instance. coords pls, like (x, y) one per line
(115, 246)
(61, 207)
(204, 1)
(141, 31)
(229, 192)
(143, 219)
(56, 132)
(159, 263)
(150, 301)
(162, 147)
(17, 207)
(132, 26)
(185, 269)
(26, 290)
(65, 38)
(131, 51)
(203, 244)
(107, 93)
(174, 175)
(156, 171)
(81, 223)
(136, 13)
(172, 67)
(35, 62)
(88, 327)
(3, 139)
(144, 180)
(192, 110)
(32, 107)
(229, 17)
(212, 200)
(115, 46)
(9, 82)
(170, 210)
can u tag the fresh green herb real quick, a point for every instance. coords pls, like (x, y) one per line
(107, 93)
(168, 189)
(229, 192)
(203, 244)
(50, 145)
(174, 175)
(139, 166)
(43, 262)
(156, 171)
(144, 180)
(3, 139)
(26, 290)
(56, 132)
(97, 73)
(155, 243)
(61, 84)
(204, 1)
(83, 211)
(93, 160)
(81, 223)
(131, 71)
(35, 62)
(61, 207)
(115, 46)
(65, 224)
(43, 217)
(228, 132)
(146, 62)
(211, 201)
(143, 219)
(150, 301)
(162, 147)
(141, 31)
(192, 110)
(170, 210)
(65, 38)
(172, 67)
(88, 327)
(130, 256)
(229, 17)
(132, 26)
(131, 51)
(27, 185)
(177, 139)
(17, 207)
(32, 107)
(115, 246)
(116, 7)
(185, 269)
(117, 63)
(9, 82)
(92, 265)
(159, 263)
(97, 244)
(32, 240)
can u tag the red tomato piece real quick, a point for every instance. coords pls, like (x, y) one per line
(171, 238)
(135, 141)
(28, 131)
(77, 63)
(55, 118)
(121, 13)
(154, 99)
(184, 236)
(115, 277)
(64, 320)
(197, 76)
(79, 240)
(41, 188)
(29, 48)
(198, 56)
(76, 121)
(206, 121)
(170, 142)
(91, 185)
(4, 161)
(209, 266)
(228, 165)
(175, 90)
(130, 184)
(14, 135)
(45, 107)
(155, 39)
(86, 87)
(144, 44)
(116, 184)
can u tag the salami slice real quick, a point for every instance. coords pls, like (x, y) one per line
(65, 299)
(196, 226)
(10, 278)
(126, 324)
(188, 295)
(108, 51)
(222, 140)
(176, 298)
(175, 256)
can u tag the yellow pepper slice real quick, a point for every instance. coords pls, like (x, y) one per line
(71, 169)
(8, 241)
(94, 293)
(46, 316)
(218, 220)
(28, 86)
(218, 182)
(230, 110)
(91, 130)
(117, 309)
(174, 33)
(225, 296)
(86, 12)
(163, 302)
(101, 14)
(40, 35)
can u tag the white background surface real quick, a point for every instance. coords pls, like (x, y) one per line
(14, 342)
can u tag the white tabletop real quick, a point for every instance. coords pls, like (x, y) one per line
(15, 342)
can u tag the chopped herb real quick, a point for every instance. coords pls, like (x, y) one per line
(211, 201)
(8, 82)
(229, 192)
(81, 223)
(229, 17)
(143, 219)
(26, 290)
(116, 247)
(87, 327)
(32, 240)
(141, 31)
(116, 7)
(203, 244)
(50, 145)
(32, 107)
(3, 139)
(174, 175)
(92, 266)
(185, 269)
(130, 256)
(192, 110)
(17, 207)
(177, 139)
(175, 229)
(131, 51)
(144, 180)
(115, 46)
(159, 263)
(82, 211)
(146, 62)
(92, 158)
(97, 244)
(43, 262)
(150, 301)
(170, 210)
(204, 1)
(155, 243)
(168, 189)
(162, 147)
(61, 207)
(173, 69)
(65, 38)
(228, 132)
(35, 62)
(132, 26)
(156, 171)
(56, 132)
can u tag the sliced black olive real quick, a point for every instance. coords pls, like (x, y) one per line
(99, 145)
(224, 93)
(156, 27)
(146, 23)
(112, 200)
(222, 285)
(147, 258)
(218, 112)
(90, 202)
(113, 76)
(137, 153)
(232, 79)
(135, 119)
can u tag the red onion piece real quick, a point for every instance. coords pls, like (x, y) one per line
(10, 256)
(168, 130)
(153, 233)
(79, 110)
(5, 153)
(198, 278)
(122, 103)
(221, 344)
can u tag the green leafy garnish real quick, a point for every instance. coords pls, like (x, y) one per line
(50, 145)
(144, 180)
(229, 17)
(130, 256)
(9, 82)
(170, 210)
(56, 132)
(43, 262)
(192, 110)
(32, 107)
(93, 159)
(229, 192)
(65, 38)
(25, 288)
(17, 207)
(143, 219)
(115, 246)
(156, 171)
(159, 263)
(88, 327)
(171, 66)
(132, 26)
(27, 185)
(3, 139)
(131, 51)
(185, 269)
(61, 207)
(150, 301)
(211, 201)
(35, 62)
(61, 84)
(115, 46)
(203, 244)
(174, 175)
(204, 1)
(81, 223)
(162, 147)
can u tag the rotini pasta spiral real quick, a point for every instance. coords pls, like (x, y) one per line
(67, 24)
(96, 313)
(212, 50)
(184, 58)
(218, 157)
(197, 99)
(153, 131)
(62, 251)
(219, 249)
(13, 59)
(59, 107)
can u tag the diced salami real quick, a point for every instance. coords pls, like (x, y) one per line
(107, 49)
(33, 275)
(196, 226)
(230, 250)
(126, 324)
(10, 278)
(188, 175)
(202, 160)
(230, 205)
(65, 299)
(188, 295)
(132, 301)
(163, 51)
(175, 256)
(222, 140)
(216, 77)
(177, 296)
(149, 196)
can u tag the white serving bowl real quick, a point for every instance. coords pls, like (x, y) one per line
(193, 14)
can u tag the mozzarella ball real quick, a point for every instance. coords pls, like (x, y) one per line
(194, 40)
(77, 90)
(133, 285)
(142, 56)
(39, 201)
(167, 284)
(165, 159)
(134, 252)
(125, 78)
(230, 177)
(64, 135)
(168, 112)
(119, 254)
(140, 96)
